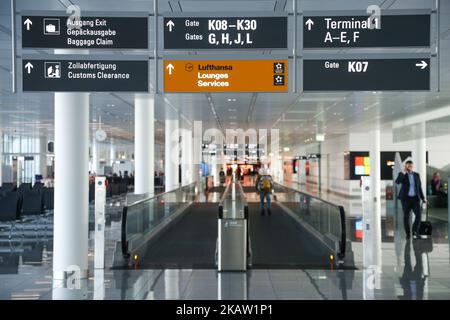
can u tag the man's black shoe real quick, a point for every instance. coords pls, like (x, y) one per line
(262, 212)
(269, 212)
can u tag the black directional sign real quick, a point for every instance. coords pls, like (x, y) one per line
(85, 75)
(364, 32)
(85, 32)
(366, 75)
(225, 33)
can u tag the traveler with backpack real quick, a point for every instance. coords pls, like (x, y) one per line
(264, 185)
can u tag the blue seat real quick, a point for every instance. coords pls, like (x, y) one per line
(9, 206)
(49, 198)
(24, 187)
(32, 203)
(8, 186)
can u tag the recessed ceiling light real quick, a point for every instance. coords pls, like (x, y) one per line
(231, 110)
(231, 100)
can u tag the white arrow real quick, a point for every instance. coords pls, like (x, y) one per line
(28, 23)
(422, 64)
(170, 67)
(170, 25)
(309, 23)
(29, 66)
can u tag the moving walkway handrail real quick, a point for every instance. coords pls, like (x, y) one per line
(244, 200)
(343, 237)
(222, 199)
(124, 240)
(226, 194)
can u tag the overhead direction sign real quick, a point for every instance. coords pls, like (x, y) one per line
(225, 76)
(85, 75)
(365, 32)
(366, 74)
(85, 33)
(225, 33)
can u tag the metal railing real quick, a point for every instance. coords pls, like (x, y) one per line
(141, 218)
(327, 219)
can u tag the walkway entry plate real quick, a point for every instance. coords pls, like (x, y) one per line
(366, 75)
(225, 33)
(362, 31)
(225, 75)
(85, 75)
(85, 32)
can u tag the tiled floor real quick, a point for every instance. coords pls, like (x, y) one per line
(418, 275)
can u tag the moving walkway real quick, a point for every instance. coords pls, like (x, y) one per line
(173, 230)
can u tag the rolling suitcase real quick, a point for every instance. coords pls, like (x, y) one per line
(425, 228)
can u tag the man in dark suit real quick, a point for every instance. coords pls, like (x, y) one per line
(410, 195)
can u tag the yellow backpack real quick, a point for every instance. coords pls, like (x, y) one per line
(265, 183)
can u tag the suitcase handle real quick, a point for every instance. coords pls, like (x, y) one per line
(425, 204)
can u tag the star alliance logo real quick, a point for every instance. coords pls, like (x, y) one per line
(278, 80)
(278, 67)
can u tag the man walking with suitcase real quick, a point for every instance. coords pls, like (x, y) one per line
(410, 195)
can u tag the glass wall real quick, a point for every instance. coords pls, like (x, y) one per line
(23, 157)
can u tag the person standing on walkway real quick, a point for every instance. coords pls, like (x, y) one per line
(264, 185)
(410, 194)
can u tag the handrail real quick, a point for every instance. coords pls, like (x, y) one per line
(225, 194)
(244, 200)
(343, 240)
(310, 195)
(159, 195)
(124, 242)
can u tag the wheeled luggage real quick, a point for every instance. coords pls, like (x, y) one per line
(425, 227)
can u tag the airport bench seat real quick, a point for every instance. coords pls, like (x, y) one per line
(9, 206)
(32, 203)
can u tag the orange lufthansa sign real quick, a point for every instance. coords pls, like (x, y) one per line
(225, 75)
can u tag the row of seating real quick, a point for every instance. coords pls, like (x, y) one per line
(17, 203)
(113, 189)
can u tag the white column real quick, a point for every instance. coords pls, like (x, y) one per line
(191, 165)
(186, 154)
(215, 170)
(172, 151)
(419, 154)
(112, 152)
(94, 150)
(375, 180)
(43, 157)
(197, 150)
(144, 148)
(70, 245)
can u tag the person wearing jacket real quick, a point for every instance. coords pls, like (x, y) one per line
(410, 194)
